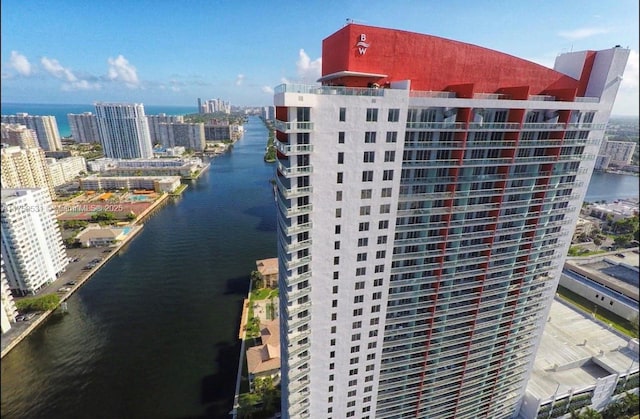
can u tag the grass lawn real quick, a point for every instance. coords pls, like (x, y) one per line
(617, 322)
(263, 294)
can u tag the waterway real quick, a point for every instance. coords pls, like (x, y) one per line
(154, 333)
(611, 186)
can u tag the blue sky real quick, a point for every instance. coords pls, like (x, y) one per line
(168, 52)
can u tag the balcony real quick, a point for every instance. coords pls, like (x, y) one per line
(328, 90)
(289, 193)
(293, 127)
(436, 126)
(290, 150)
(292, 264)
(294, 171)
(494, 126)
(296, 279)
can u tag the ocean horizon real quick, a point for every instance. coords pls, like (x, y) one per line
(60, 111)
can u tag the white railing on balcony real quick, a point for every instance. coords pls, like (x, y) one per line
(328, 90)
(439, 126)
(297, 170)
(293, 149)
(285, 127)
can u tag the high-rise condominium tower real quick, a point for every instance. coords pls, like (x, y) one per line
(45, 127)
(427, 194)
(84, 127)
(124, 130)
(32, 246)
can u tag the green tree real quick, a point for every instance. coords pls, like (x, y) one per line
(622, 240)
(589, 413)
(43, 303)
(257, 280)
(247, 405)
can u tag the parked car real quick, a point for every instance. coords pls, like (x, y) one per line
(20, 317)
(64, 289)
(29, 316)
(71, 283)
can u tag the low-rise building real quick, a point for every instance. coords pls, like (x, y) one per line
(268, 268)
(264, 360)
(66, 169)
(96, 236)
(156, 183)
(619, 209)
(185, 167)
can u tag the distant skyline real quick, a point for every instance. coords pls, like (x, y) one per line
(167, 53)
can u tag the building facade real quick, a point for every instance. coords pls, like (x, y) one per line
(84, 127)
(45, 127)
(9, 311)
(619, 153)
(188, 135)
(66, 169)
(155, 130)
(124, 130)
(425, 209)
(18, 135)
(25, 168)
(32, 245)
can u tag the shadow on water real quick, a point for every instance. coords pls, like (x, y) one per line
(266, 213)
(218, 389)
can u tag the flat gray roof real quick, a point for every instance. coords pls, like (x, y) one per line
(575, 351)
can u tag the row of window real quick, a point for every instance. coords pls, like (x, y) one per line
(371, 115)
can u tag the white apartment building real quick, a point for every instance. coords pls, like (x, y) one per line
(124, 130)
(45, 127)
(25, 168)
(32, 246)
(84, 127)
(8, 312)
(155, 183)
(427, 193)
(18, 135)
(188, 135)
(154, 126)
(66, 169)
(620, 153)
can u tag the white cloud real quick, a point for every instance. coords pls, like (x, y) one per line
(308, 70)
(239, 79)
(582, 33)
(20, 63)
(267, 89)
(628, 94)
(631, 75)
(53, 67)
(81, 85)
(121, 70)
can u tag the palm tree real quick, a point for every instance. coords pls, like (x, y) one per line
(631, 403)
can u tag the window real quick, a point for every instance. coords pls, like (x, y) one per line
(376, 295)
(377, 282)
(361, 257)
(334, 304)
(368, 389)
(385, 193)
(394, 115)
(361, 271)
(352, 393)
(380, 254)
(340, 157)
(374, 321)
(372, 114)
(375, 309)
(337, 230)
(332, 342)
(371, 357)
(336, 275)
(332, 366)
(331, 378)
(355, 337)
(334, 316)
(364, 241)
(383, 224)
(379, 268)
(357, 312)
(358, 299)
(355, 325)
(341, 137)
(343, 114)
(370, 367)
(387, 175)
(336, 245)
(365, 210)
(339, 177)
(338, 212)
(370, 137)
(392, 137)
(382, 239)
(369, 156)
(333, 329)
(355, 349)
(359, 285)
(365, 194)
(367, 176)
(385, 209)
(338, 195)
(363, 226)
(389, 155)
(332, 354)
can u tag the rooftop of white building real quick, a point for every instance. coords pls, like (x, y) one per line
(624, 207)
(575, 351)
